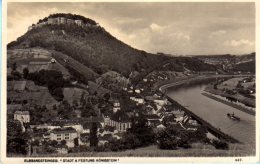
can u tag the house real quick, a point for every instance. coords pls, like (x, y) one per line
(78, 127)
(178, 113)
(161, 111)
(160, 126)
(86, 127)
(22, 116)
(77, 113)
(153, 120)
(139, 100)
(137, 91)
(67, 134)
(61, 149)
(150, 109)
(116, 106)
(193, 122)
(169, 119)
(160, 102)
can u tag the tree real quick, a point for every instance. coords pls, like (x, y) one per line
(93, 135)
(25, 72)
(54, 143)
(220, 144)
(76, 142)
(106, 96)
(16, 140)
(35, 143)
(14, 128)
(63, 142)
(16, 75)
(14, 66)
(143, 133)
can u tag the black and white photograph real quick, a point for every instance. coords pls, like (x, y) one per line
(130, 79)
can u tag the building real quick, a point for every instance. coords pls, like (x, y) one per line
(79, 22)
(116, 106)
(67, 134)
(70, 21)
(137, 91)
(60, 149)
(160, 102)
(178, 113)
(120, 121)
(63, 20)
(139, 100)
(22, 116)
(150, 110)
(153, 120)
(121, 126)
(51, 20)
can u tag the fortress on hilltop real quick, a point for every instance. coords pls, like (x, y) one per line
(59, 19)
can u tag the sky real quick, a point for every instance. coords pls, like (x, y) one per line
(171, 27)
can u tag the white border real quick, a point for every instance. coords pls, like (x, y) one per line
(253, 159)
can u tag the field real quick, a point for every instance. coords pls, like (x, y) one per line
(230, 84)
(73, 94)
(33, 93)
(67, 61)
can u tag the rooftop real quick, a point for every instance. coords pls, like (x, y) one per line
(64, 130)
(22, 112)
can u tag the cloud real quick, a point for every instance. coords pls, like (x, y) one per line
(181, 36)
(238, 43)
(217, 33)
(156, 27)
(169, 27)
(123, 20)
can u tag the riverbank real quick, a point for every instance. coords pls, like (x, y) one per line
(192, 79)
(229, 103)
(213, 130)
(189, 102)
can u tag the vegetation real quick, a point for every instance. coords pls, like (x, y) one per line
(93, 135)
(16, 139)
(220, 144)
(52, 79)
(245, 67)
(175, 136)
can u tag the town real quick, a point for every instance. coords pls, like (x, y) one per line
(59, 105)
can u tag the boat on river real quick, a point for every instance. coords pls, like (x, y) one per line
(233, 117)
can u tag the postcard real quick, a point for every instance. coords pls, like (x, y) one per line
(129, 82)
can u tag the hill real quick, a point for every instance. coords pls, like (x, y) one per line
(91, 46)
(85, 42)
(245, 67)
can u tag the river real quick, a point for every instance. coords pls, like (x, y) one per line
(215, 112)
